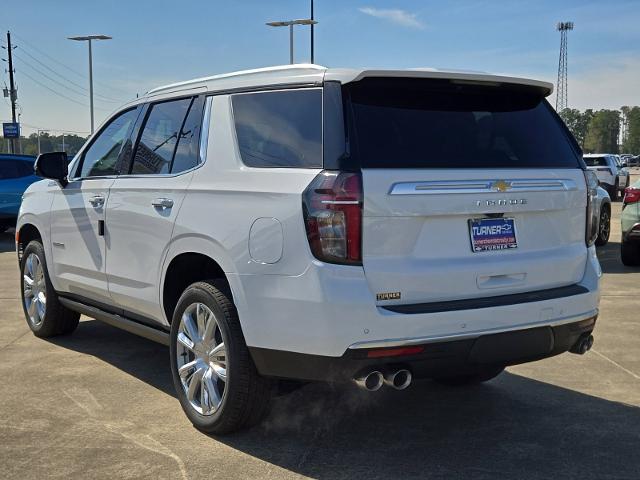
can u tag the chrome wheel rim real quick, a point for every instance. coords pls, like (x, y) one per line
(604, 225)
(34, 290)
(201, 359)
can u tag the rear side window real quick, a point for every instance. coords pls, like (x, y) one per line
(279, 129)
(417, 123)
(188, 152)
(159, 137)
(595, 161)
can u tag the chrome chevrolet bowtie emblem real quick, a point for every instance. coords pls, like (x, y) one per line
(501, 185)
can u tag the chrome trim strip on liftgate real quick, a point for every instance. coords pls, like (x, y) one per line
(439, 187)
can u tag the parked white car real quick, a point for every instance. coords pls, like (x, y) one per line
(309, 223)
(613, 177)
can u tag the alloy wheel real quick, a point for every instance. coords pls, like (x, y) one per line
(201, 359)
(604, 225)
(34, 290)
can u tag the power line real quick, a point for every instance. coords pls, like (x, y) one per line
(75, 72)
(58, 93)
(84, 89)
(70, 89)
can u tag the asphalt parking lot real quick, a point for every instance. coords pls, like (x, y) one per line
(100, 404)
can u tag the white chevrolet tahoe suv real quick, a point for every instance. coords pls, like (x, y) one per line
(316, 224)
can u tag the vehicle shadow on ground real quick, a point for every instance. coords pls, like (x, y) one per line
(137, 356)
(512, 427)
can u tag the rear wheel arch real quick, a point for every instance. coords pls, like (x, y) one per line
(185, 269)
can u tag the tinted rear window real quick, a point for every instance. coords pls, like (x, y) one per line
(595, 161)
(413, 123)
(279, 129)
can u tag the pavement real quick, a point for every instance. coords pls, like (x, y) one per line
(100, 404)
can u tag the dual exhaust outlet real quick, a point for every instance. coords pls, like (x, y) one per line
(373, 380)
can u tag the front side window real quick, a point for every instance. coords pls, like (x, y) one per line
(157, 145)
(101, 158)
(279, 129)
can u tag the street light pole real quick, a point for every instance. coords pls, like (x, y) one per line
(89, 38)
(40, 130)
(291, 44)
(290, 24)
(312, 52)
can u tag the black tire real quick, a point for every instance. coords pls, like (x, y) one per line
(483, 375)
(613, 192)
(58, 319)
(630, 253)
(246, 396)
(604, 226)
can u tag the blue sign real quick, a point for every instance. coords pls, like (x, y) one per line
(11, 130)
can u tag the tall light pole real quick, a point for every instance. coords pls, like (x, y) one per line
(312, 40)
(89, 38)
(290, 24)
(43, 131)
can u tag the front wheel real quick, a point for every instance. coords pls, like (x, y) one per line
(45, 314)
(214, 376)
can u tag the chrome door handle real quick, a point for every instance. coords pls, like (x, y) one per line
(97, 201)
(162, 203)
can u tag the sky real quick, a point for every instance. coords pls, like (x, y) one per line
(159, 42)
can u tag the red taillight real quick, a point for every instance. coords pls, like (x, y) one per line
(631, 195)
(394, 352)
(332, 207)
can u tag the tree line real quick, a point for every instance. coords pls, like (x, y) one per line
(48, 143)
(605, 131)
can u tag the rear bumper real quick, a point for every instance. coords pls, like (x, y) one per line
(330, 308)
(438, 358)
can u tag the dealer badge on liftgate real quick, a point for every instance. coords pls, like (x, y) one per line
(388, 296)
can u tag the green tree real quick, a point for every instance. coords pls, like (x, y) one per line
(48, 143)
(602, 132)
(631, 142)
(577, 122)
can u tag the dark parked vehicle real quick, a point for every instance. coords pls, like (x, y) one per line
(16, 174)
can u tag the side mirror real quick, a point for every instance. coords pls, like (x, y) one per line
(53, 165)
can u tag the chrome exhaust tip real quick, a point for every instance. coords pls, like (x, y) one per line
(399, 379)
(370, 381)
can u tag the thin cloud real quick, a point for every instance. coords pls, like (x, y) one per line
(399, 17)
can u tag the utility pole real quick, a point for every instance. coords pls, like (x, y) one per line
(13, 94)
(562, 94)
